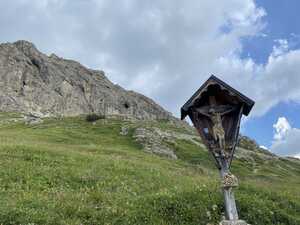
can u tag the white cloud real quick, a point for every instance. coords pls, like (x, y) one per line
(164, 49)
(263, 147)
(281, 48)
(286, 138)
(183, 39)
(282, 127)
(276, 81)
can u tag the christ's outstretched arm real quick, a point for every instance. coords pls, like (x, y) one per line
(210, 110)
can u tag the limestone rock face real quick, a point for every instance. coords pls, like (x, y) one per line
(34, 83)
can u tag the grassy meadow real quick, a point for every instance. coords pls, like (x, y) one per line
(70, 171)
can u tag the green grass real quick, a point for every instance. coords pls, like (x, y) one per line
(70, 171)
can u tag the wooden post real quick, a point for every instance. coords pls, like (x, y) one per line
(230, 206)
(229, 181)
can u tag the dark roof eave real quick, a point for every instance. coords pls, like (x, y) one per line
(248, 102)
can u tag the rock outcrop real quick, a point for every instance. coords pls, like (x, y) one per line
(154, 141)
(34, 83)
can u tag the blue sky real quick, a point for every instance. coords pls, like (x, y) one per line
(261, 128)
(281, 22)
(167, 49)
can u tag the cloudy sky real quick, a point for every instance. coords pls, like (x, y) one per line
(167, 48)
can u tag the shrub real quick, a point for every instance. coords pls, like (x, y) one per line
(94, 117)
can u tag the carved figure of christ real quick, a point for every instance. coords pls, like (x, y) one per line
(215, 113)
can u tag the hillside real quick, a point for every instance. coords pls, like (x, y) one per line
(137, 164)
(70, 171)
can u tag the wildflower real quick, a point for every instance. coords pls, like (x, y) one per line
(208, 214)
(214, 207)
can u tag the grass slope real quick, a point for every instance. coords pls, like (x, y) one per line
(70, 171)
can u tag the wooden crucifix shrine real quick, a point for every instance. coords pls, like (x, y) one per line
(216, 110)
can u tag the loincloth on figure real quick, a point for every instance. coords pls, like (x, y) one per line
(218, 132)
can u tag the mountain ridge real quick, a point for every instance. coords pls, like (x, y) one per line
(34, 83)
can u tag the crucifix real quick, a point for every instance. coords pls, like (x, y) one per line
(216, 110)
(215, 113)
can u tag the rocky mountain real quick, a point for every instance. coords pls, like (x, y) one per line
(34, 83)
(38, 85)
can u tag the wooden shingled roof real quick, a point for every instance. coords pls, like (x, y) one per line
(212, 80)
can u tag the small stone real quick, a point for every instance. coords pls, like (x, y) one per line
(31, 120)
(124, 131)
